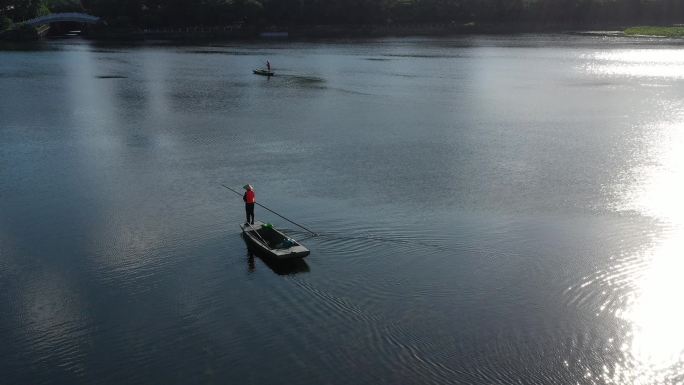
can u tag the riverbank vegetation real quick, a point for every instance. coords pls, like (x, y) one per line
(675, 31)
(176, 13)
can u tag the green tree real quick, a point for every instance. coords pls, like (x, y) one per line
(217, 12)
(57, 6)
(250, 11)
(282, 11)
(21, 10)
(116, 12)
(5, 23)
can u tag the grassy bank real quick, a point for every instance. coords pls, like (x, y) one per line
(655, 31)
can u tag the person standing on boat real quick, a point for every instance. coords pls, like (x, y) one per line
(268, 66)
(250, 200)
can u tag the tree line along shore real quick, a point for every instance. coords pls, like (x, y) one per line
(243, 18)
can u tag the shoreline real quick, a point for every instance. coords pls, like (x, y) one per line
(275, 32)
(297, 32)
(346, 31)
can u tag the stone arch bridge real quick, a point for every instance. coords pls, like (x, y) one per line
(73, 17)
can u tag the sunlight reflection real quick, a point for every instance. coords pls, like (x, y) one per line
(660, 192)
(655, 353)
(650, 63)
(654, 349)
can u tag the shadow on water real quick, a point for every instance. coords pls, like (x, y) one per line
(286, 267)
(299, 81)
(26, 46)
(280, 267)
(111, 77)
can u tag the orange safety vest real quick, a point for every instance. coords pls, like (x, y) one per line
(250, 197)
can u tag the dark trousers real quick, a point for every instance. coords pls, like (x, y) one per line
(249, 210)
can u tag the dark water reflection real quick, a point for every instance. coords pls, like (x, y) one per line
(491, 210)
(286, 267)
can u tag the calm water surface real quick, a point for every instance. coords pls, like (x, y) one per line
(492, 210)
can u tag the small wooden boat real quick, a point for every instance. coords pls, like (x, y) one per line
(264, 238)
(263, 72)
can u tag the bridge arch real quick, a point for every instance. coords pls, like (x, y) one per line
(72, 17)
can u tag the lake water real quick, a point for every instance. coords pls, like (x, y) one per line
(491, 210)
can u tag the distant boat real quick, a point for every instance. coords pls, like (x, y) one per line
(263, 72)
(270, 242)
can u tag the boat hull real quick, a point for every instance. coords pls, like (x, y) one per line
(263, 72)
(268, 242)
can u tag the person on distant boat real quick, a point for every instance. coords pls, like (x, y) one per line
(250, 200)
(268, 66)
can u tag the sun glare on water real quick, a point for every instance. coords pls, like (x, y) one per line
(654, 350)
(654, 63)
(652, 340)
